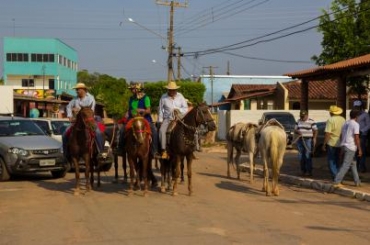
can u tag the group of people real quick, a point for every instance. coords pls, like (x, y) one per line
(345, 142)
(171, 104)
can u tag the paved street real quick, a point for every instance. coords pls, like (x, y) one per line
(40, 210)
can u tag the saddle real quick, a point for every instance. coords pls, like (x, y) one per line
(236, 132)
(170, 128)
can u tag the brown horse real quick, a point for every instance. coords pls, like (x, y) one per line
(182, 144)
(137, 148)
(81, 144)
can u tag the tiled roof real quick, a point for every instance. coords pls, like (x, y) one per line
(358, 62)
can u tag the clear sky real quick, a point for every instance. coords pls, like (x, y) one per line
(108, 43)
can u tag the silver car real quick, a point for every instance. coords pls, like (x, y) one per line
(25, 148)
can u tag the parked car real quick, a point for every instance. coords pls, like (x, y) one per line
(319, 139)
(54, 127)
(285, 118)
(25, 148)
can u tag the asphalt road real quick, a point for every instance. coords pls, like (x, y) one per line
(40, 210)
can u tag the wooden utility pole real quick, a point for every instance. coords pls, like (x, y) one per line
(211, 79)
(179, 54)
(172, 5)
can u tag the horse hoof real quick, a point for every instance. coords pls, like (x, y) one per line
(175, 194)
(76, 193)
(163, 190)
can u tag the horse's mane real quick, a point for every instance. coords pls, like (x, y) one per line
(132, 120)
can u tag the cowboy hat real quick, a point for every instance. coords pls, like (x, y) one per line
(335, 110)
(136, 85)
(172, 86)
(80, 85)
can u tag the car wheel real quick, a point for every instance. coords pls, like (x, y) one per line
(4, 174)
(59, 173)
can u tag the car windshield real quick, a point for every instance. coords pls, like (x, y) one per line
(19, 128)
(59, 126)
(283, 119)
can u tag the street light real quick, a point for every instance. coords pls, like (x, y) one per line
(146, 28)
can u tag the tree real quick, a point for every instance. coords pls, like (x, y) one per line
(346, 34)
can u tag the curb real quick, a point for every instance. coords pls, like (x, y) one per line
(316, 185)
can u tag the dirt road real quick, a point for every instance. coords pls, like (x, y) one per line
(40, 210)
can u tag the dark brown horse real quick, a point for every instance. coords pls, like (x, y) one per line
(137, 148)
(81, 144)
(182, 144)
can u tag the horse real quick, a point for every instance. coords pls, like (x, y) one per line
(242, 137)
(112, 135)
(182, 144)
(137, 148)
(272, 144)
(81, 143)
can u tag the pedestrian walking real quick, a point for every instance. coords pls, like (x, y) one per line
(350, 143)
(364, 122)
(306, 129)
(331, 143)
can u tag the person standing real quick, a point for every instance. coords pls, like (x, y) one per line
(350, 143)
(364, 122)
(307, 131)
(169, 102)
(331, 144)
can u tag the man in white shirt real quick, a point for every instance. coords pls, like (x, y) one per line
(169, 102)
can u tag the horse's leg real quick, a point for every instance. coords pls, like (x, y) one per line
(176, 175)
(251, 166)
(163, 175)
(124, 166)
(77, 175)
(87, 171)
(182, 168)
(145, 174)
(275, 180)
(132, 175)
(189, 160)
(237, 162)
(229, 156)
(92, 168)
(115, 159)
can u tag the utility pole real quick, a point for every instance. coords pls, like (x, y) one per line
(211, 79)
(179, 54)
(172, 5)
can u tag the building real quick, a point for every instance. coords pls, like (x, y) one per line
(218, 85)
(39, 67)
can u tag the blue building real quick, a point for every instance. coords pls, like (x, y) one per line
(219, 85)
(39, 67)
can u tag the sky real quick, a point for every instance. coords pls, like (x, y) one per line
(108, 43)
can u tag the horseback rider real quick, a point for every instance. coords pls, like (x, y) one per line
(139, 105)
(83, 98)
(169, 103)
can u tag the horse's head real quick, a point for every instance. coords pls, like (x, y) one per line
(85, 118)
(140, 128)
(204, 117)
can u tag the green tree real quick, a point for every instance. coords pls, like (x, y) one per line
(346, 34)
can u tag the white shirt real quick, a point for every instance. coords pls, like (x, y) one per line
(78, 102)
(168, 104)
(350, 128)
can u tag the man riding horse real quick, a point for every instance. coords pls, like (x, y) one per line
(83, 98)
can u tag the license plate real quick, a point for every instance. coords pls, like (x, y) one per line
(47, 162)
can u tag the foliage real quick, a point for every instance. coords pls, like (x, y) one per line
(346, 34)
(1, 81)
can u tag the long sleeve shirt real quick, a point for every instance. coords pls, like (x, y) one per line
(77, 102)
(364, 122)
(168, 104)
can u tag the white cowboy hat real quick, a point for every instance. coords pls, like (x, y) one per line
(80, 85)
(335, 110)
(172, 86)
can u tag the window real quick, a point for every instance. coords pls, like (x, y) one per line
(17, 57)
(270, 105)
(28, 83)
(42, 57)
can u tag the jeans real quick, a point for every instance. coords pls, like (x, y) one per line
(349, 160)
(333, 159)
(361, 161)
(304, 146)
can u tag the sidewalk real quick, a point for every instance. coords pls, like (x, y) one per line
(321, 179)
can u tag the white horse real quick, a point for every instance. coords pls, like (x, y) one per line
(242, 137)
(272, 144)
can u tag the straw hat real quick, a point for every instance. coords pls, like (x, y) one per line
(80, 85)
(172, 86)
(335, 110)
(136, 85)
